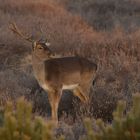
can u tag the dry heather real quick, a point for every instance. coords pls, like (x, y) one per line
(116, 52)
(106, 14)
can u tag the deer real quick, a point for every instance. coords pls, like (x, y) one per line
(57, 74)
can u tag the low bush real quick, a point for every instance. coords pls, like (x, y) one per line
(123, 127)
(20, 124)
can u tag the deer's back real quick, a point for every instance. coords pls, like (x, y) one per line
(68, 69)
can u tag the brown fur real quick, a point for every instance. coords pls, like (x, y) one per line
(54, 73)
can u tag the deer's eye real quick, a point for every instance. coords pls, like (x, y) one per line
(40, 48)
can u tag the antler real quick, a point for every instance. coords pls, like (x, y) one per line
(16, 30)
(41, 31)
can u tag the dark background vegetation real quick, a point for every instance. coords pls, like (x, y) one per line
(106, 32)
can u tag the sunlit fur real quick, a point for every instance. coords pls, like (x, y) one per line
(55, 74)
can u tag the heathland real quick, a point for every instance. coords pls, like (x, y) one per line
(106, 32)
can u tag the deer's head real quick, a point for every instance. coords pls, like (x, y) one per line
(40, 48)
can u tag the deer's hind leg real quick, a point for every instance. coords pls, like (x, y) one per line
(54, 98)
(79, 93)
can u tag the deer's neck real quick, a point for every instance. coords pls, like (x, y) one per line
(38, 69)
(38, 60)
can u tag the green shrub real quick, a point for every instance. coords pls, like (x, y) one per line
(19, 124)
(123, 127)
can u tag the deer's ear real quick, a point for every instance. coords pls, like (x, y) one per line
(34, 45)
(47, 44)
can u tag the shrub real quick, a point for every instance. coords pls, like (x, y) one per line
(123, 127)
(20, 124)
(106, 14)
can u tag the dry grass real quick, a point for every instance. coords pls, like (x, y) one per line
(116, 51)
(106, 14)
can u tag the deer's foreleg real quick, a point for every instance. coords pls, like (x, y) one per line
(54, 98)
